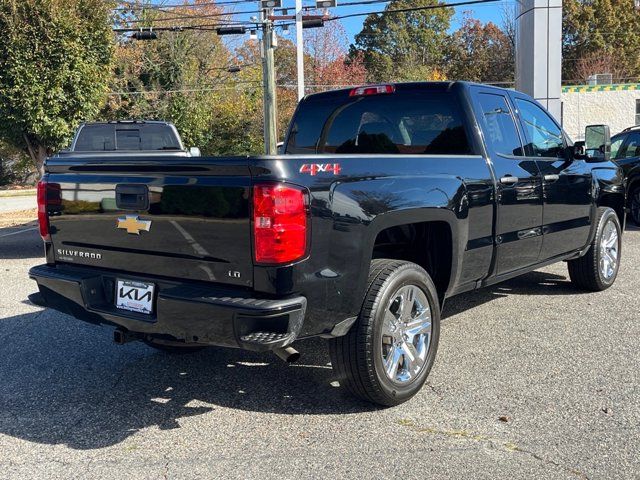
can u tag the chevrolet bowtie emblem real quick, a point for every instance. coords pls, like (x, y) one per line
(133, 224)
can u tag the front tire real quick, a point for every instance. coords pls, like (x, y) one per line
(598, 269)
(386, 356)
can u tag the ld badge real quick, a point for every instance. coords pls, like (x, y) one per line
(133, 224)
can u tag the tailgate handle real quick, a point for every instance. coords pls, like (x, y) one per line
(132, 197)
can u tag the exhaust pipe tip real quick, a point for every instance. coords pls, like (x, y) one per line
(288, 354)
(122, 336)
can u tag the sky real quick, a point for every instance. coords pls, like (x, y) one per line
(490, 12)
(485, 13)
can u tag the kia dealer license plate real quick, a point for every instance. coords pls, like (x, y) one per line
(135, 296)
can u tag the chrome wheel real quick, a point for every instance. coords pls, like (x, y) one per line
(609, 250)
(406, 334)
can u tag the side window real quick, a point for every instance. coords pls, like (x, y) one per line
(615, 147)
(544, 135)
(632, 148)
(498, 125)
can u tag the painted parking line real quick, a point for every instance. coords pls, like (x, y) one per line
(19, 231)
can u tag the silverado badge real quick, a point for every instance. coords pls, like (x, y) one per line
(133, 224)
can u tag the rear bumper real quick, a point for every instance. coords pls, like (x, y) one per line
(190, 313)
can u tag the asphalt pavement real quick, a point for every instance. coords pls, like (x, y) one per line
(533, 379)
(18, 203)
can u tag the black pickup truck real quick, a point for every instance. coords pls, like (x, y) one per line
(387, 200)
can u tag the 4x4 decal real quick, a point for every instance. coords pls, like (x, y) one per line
(315, 168)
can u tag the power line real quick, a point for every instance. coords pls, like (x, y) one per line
(412, 9)
(398, 10)
(191, 17)
(161, 7)
(135, 7)
(207, 27)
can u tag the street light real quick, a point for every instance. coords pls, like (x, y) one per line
(326, 3)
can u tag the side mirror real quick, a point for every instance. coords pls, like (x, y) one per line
(194, 152)
(280, 148)
(597, 143)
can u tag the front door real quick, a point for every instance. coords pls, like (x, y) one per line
(566, 183)
(519, 184)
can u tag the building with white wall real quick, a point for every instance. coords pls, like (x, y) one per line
(615, 105)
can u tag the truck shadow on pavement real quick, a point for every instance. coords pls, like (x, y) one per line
(20, 242)
(533, 283)
(64, 382)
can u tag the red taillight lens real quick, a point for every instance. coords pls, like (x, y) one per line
(372, 90)
(279, 223)
(48, 194)
(43, 218)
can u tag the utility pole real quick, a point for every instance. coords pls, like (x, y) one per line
(269, 80)
(299, 49)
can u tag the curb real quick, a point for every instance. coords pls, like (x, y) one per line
(17, 193)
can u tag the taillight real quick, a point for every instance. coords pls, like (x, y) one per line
(372, 90)
(48, 195)
(279, 223)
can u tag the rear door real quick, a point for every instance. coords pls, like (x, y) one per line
(519, 184)
(566, 183)
(629, 149)
(167, 217)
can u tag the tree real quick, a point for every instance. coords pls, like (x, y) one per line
(55, 58)
(594, 29)
(179, 77)
(15, 166)
(481, 53)
(328, 64)
(599, 62)
(404, 45)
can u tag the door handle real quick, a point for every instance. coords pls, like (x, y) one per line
(551, 178)
(132, 197)
(508, 180)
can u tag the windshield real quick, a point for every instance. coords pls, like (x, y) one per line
(137, 136)
(427, 122)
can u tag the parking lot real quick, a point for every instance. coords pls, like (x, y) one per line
(532, 379)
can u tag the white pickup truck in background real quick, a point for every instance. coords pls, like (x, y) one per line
(144, 137)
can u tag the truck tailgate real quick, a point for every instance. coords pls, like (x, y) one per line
(177, 218)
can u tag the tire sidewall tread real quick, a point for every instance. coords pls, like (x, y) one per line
(354, 356)
(585, 271)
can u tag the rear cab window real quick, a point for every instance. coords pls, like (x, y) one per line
(411, 121)
(123, 136)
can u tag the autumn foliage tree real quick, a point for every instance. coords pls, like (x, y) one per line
(600, 35)
(177, 77)
(407, 45)
(55, 61)
(328, 64)
(480, 52)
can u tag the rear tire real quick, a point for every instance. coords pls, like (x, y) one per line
(386, 356)
(598, 268)
(634, 206)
